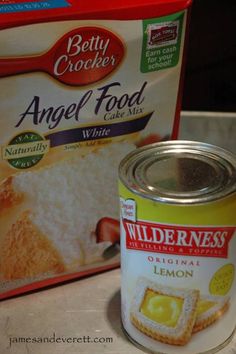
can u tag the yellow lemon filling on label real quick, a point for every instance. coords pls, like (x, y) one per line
(203, 306)
(162, 309)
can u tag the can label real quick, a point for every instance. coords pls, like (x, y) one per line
(178, 273)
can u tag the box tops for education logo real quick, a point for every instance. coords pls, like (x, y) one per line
(161, 34)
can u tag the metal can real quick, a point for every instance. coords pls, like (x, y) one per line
(178, 246)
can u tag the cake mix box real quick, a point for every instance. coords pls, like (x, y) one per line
(81, 85)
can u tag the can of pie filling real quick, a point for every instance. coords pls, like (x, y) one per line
(178, 246)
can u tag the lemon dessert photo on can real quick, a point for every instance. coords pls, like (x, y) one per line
(172, 315)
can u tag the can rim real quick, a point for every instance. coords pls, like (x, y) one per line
(223, 162)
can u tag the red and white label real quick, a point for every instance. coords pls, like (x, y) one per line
(87, 55)
(180, 240)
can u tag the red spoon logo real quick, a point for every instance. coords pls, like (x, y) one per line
(81, 57)
(87, 55)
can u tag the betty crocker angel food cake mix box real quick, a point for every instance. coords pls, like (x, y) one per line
(81, 85)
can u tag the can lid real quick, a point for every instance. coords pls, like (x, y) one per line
(180, 172)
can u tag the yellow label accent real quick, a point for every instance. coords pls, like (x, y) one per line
(204, 306)
(222, 280)
(162, 309)
(25, 150)
(221, 212)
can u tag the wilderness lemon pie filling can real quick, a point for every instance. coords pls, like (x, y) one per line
(178, 246)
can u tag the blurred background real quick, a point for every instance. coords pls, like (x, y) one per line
(210, 76)
(210, 80)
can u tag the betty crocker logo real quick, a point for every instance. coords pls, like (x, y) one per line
(81, 57)
(87, 55)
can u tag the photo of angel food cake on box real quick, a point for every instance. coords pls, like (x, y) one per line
(57, 209)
